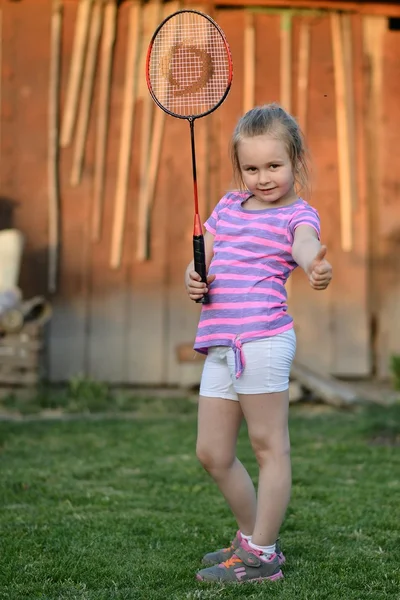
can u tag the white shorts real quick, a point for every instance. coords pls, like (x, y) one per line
(267, 370)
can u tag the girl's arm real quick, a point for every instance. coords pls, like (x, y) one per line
(194, 286)
(309, 254)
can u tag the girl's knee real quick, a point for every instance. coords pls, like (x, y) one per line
(213, 460)
(275, 449)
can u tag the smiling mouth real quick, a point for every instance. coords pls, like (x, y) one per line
(266, 190)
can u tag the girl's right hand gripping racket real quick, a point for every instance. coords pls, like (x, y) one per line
(189, 75)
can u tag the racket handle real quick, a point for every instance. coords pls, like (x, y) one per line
(200, 264)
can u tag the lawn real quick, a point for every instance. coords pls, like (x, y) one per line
(120, 509)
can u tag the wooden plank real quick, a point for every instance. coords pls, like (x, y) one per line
(366, 8)
(311, 310)
(15, 362)
(342, 59)
(76, 71)
(1, 78)
(107, 53)
(127, 119)
(388, 339)
(19, 378)
(325, 388)
(303, 74)
(374, 33)
(373, 36)
(149, 186)
(286, 61)
(146, 343)
(126, 316)
(350, 323)
(285, 72)
(249, 62)
(53, 153)
(9, 110)
(67, 340)
(12, 344)
(89, 74)
(152, 126)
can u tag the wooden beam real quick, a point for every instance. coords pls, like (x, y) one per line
(342, 59)
(75, 72)
(286, 61)
(103, 115)
(53, 166)
(303, 75)
(127, 122)
(249, 77)
(385, 9)
(373, 49)
(88, 80)
(326, 388)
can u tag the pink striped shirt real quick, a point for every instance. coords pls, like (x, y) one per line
(252, 262)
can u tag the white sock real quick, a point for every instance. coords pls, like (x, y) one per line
(246, 537)
(266, 550)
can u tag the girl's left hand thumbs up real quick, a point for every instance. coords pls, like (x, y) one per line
(320, 270)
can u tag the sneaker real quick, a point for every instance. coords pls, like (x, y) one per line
(219, 556)
(246, 565)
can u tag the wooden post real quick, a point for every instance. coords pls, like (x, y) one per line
(249, 77)
(87, 93)
(75, 72)
(153, 17)
(149, 180)
(127, 120)
(342, 59)
(1, 77)
(303, 74)
(286, 79)
(107, 51)
(373, 39)
(286, 60)
(53, 147)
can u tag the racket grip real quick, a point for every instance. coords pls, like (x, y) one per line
(200, 263)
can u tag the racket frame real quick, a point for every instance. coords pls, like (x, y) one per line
(198, 238)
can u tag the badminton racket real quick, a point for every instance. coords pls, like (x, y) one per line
(189, 75)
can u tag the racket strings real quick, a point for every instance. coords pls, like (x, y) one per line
(190, 66)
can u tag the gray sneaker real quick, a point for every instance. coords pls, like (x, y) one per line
(219, 556)
(246, 565)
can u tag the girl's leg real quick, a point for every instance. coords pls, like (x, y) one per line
(267, 422)
(219, 422)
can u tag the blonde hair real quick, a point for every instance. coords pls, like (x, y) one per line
(273, 120)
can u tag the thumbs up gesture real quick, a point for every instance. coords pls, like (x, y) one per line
(320, 270)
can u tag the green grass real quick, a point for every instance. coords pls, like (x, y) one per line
(120, 509)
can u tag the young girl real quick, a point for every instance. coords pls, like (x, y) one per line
(254, 239)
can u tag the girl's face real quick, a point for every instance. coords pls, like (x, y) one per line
(266, 171)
